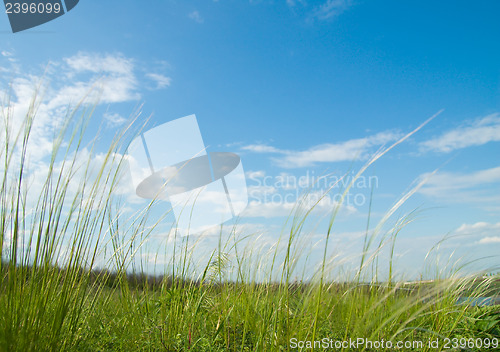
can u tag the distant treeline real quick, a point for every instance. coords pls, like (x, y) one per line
(144, 281)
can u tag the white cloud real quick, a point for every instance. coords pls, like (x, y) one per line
(98, 63)
(331, 8)
(489, 240)
(268, 210)
(9, 63)
(111, 78)
(281, 206)
(114, 119)
(344, 151)
(161, 81)
(261, 191)
(479, 228)
(116, 89)
(255, 174)
(86, 77)
(44, 127)
(479, 186)
(195, 16)
(262, 148)
(488, 233)
(455, 181)
(475, 133)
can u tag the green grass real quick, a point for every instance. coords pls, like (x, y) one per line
(53, 298)
(178, 316)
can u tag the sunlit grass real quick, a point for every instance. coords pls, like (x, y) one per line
(243, 297)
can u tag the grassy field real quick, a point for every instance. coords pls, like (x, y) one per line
(105, 312)
(52, 298)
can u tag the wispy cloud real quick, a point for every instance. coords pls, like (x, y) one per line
(114, 119)
(479, 186)
(478, 132)
(98, 63)
(9, 58)
(89, 78)
(101, 78)
(489, 240)
(110, 78)
(488, 233)
(263, 148)
(319, 202)
(196, 16)
(293, 3)
(161, 81)
(331, 8)
(255, 174)
(326, 153)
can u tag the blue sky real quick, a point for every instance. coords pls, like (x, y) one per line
(297, 88)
